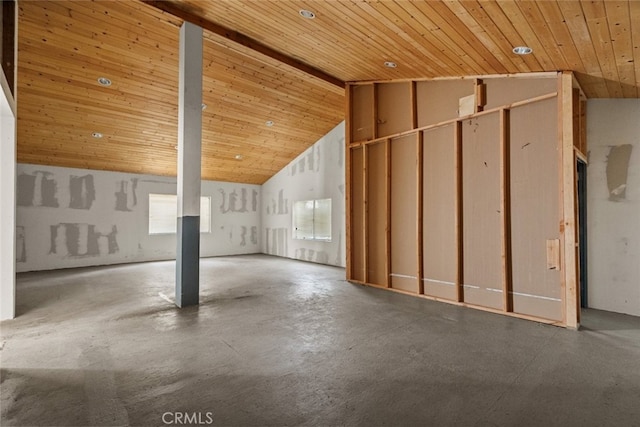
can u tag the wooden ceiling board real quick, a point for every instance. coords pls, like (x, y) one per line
(270, 64)
(64, 46)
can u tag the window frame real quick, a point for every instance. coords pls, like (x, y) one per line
(314, 233)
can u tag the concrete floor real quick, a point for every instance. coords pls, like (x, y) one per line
(282, 342)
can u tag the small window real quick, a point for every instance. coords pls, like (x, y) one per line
(312, 220)
(163, 214)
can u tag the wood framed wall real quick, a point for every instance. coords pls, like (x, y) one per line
(464, 191)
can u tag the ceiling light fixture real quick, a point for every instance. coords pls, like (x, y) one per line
(522, 50)
(104, 81)
(238, 156)
(96, 135)
(269, 123)
(204, 107)
(390, 64)
(307, 14)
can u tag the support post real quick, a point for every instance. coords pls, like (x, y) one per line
(189, 166)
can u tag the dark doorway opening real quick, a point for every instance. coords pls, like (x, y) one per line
(582, 231)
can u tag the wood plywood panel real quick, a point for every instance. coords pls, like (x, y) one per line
(394, 108)
(439, 227)
(362, 120)
(357, 214)
(481, 211)
(534, 208)
(503, 91)
(404, 174)
(438, 100)
(376, 214)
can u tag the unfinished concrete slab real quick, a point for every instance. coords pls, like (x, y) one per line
(283, 342)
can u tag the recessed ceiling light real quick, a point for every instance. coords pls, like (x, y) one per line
(522, 50)
(390, 64)
(238, 156)
(104, 81)
(96, 135)
(204, 107)
(307, 14)
(269, 123)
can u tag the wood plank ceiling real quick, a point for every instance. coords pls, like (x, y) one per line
(64, 46)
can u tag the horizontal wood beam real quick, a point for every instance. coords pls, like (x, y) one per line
(236, 37)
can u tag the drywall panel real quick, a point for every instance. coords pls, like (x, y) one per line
(439, 227)
(8, 250)
(78, 217)
(535, 211)
(317, 173)
(394, 108)
(362, 125)
(438, 100)
(481, 211)
(503, 91)
(404, 208)
(377, 213)
(613, 205)
(357, 214)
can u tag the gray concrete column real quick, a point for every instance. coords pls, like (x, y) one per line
(189, 166)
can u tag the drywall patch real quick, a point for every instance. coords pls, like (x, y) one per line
(230, 202)
(254, 200)
(126, 198)
(38, 189)
(617, 171)
(82, 191)
(243, 236)
(254, 235)
(277, 241)
(21, 249)
(82, 240)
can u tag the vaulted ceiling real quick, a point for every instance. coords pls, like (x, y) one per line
(264, 62)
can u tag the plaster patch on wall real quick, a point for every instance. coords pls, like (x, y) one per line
(301, 164)
(126, 200)
(230, 201)
(341, 148)
(243, 236)
(283, 204)
(277, 241)
(312, 255)
(617, 171)
(313, 159)
(21, 249)
(339, 260)
(38, 189)
(254, 235)
(82, 192)
(294, 169)
(82, 240)
(254, 201)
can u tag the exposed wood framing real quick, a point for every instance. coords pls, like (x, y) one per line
(570, 130)
(447, 122)
(365, 219)
(347, 192)
(568, 226)
(387, 147)
(419, 195)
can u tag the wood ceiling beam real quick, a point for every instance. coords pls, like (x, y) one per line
(241, 39)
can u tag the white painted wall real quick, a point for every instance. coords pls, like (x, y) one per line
(42, 233)
(7, 206)
(318, 173)
(613, 226)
